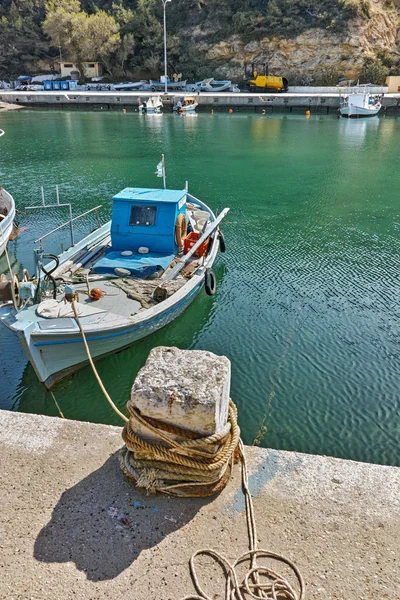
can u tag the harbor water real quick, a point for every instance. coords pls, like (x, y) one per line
(308, 294)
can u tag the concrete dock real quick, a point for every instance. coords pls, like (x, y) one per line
(321, 102)
(72, 526)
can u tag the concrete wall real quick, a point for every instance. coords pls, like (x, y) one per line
(287, 102)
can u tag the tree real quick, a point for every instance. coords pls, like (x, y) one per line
(84, 37)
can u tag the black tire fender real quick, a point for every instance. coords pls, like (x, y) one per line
(222, 244)
(210, 283)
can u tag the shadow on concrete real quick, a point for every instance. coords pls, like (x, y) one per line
(103, 523)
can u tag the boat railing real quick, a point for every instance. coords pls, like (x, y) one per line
(70, 221)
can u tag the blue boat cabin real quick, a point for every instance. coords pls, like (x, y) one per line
(144, 218)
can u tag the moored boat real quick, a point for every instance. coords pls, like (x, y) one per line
(130, 85)
(153, 104)
(7, 216)
(124, 281)
(211, 85)
(156, 86)
(360, 104)
(186, 104)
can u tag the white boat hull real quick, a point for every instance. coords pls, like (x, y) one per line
(151, 105)
(6, 224)
(359, 111)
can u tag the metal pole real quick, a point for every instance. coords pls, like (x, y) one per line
(165, 46)
(43, 196)
(57, 194)
(163, 170)
(71, 226)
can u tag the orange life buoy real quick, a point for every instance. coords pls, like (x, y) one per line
(180, 230)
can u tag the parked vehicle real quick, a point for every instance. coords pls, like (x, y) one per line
(262, 82)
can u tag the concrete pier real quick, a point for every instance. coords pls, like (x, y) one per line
(72, 526)
(319, 102)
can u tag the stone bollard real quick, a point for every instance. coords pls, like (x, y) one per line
(184, 395)
(188, 388)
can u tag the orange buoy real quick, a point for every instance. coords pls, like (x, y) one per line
(95, 294)
(230, 110)
(308, 113)
(124, 110)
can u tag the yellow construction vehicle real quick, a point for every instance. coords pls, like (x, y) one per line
(257, 81)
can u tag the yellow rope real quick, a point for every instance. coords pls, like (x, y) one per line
(56, 403)
(103, 389)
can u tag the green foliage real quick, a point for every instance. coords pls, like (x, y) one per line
(21, 37)
(374, 71)
(327, 76)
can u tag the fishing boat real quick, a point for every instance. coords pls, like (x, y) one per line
(7, 216)
(151, 105)
(360, 104)
(171, 85)
(129, 85)
(186, 105)
(211, 85)
(125, 280)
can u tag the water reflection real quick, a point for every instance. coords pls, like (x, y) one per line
(353, 132)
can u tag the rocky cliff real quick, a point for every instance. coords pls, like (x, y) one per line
(316, 53)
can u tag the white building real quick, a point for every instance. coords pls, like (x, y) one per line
(70, 69)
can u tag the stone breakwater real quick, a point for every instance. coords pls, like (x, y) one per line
(323, 102)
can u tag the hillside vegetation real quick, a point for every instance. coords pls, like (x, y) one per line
(310, 39)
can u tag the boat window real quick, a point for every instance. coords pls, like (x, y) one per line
(144, 216)
(250, 100)
(216, 99)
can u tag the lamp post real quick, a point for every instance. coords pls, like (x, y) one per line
(165, 46)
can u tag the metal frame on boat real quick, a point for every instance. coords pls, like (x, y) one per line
(40, 313)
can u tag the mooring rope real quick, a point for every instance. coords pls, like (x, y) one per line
(103, 389)
(260, 582)
(189, 455)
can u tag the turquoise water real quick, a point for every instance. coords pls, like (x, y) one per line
(307, 306)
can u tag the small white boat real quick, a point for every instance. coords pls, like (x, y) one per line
(127, 279)
(159, 86)
(7, 216)
(211, 85)
(186, 104)
(130, 85)
(360, 104)
(151, 105)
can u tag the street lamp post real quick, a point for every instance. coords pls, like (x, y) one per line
(165, 45)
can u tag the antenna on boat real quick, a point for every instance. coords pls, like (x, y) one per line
(161, 170)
